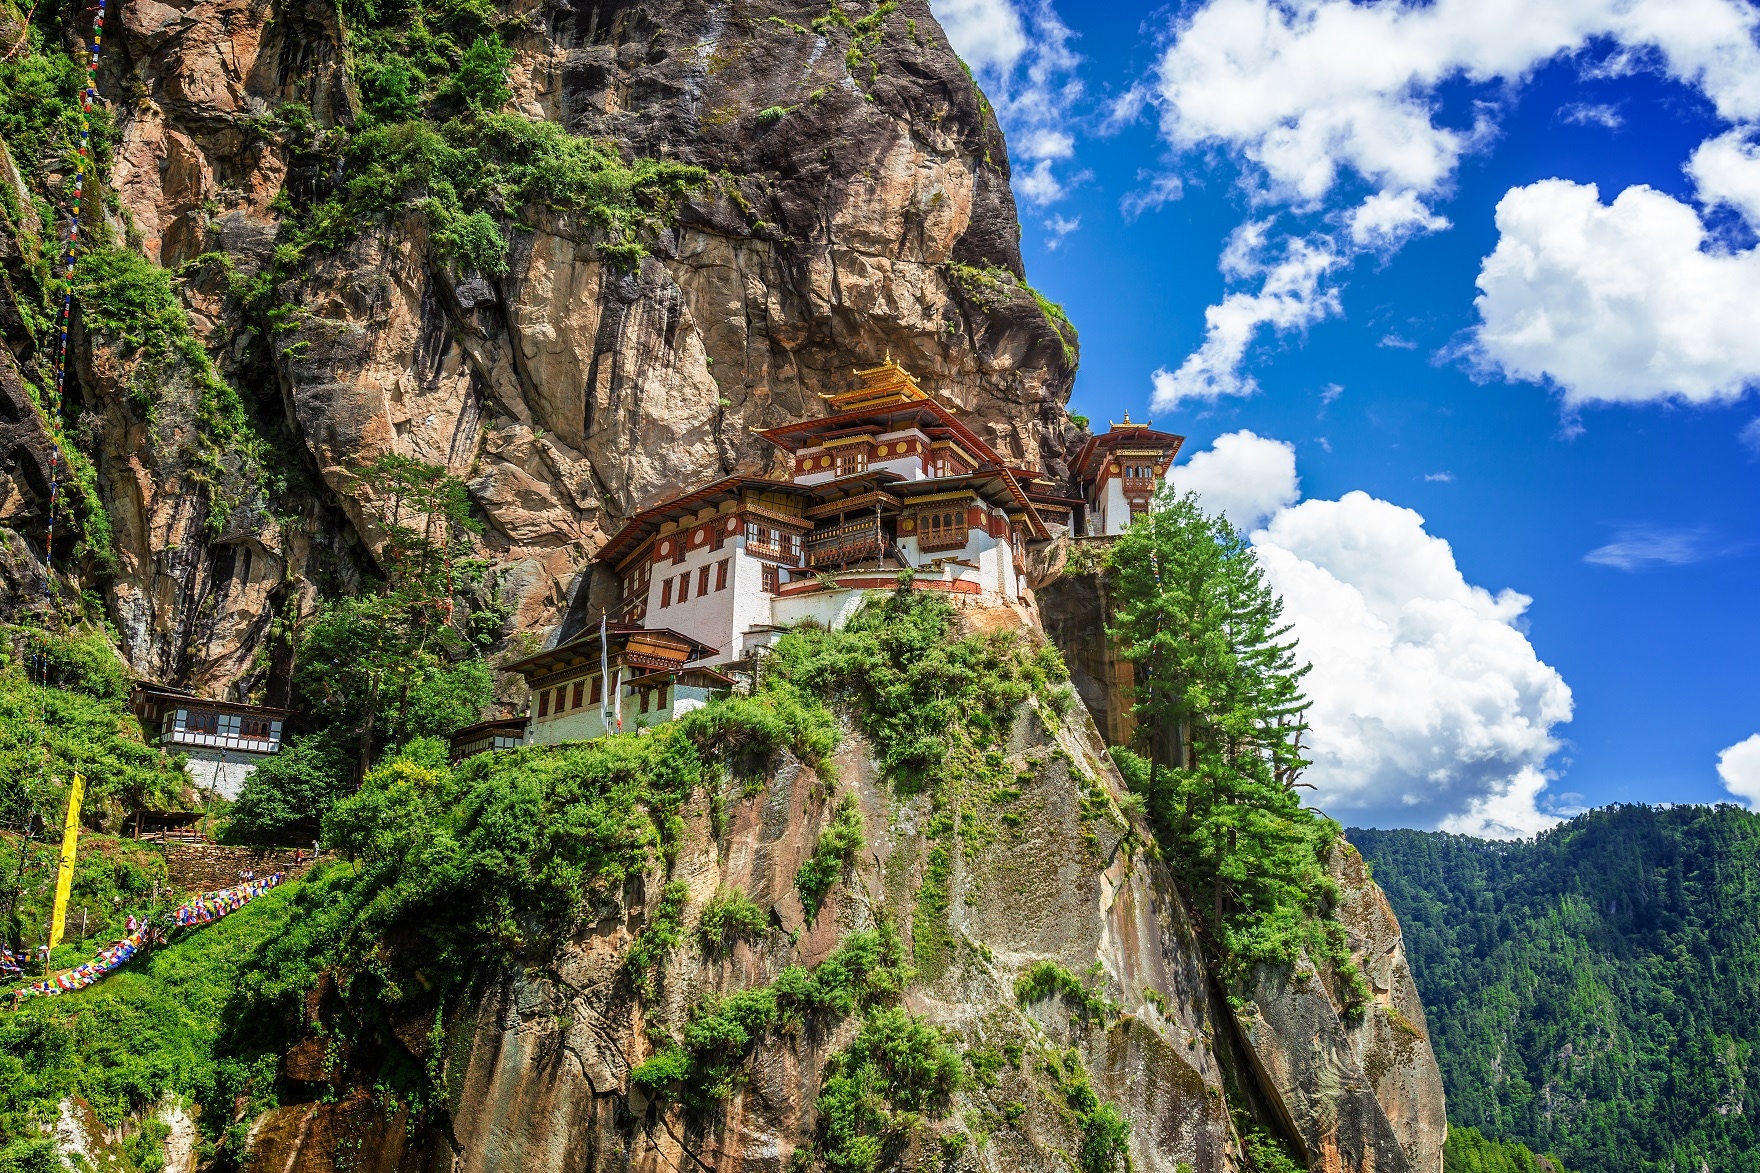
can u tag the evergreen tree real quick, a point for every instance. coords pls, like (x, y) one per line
(1219, 705)
(379, 656)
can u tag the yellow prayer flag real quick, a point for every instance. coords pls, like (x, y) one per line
(69, 851)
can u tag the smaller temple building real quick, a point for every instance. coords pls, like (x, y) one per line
(500, 733)
(224, 740)
(633, 678)
(1119, 471)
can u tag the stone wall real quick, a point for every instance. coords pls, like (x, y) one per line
(205, 867)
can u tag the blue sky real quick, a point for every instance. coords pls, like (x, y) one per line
(1582, 448)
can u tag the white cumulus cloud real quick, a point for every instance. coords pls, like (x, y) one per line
(1243, 476)
(1620, 303)
(1739, 767)
(1306, 92)
(1430, 707)
(1304, 89)
(1387, 220)
(1726, 170)
(1292, 295)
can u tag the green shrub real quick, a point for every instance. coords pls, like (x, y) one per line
(729, 915)
(494, 164)
(895, 1068)
(480, 81)
(834, 853)
(476, 240)
(286, 797)
(1046, 979)
(658, 938)
(866, 969)
(1105, 1132)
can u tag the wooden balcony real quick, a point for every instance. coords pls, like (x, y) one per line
(850, 542)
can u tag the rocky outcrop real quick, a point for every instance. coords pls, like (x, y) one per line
(1074, 611)
(865, 214)
(538, 1070)
(1358, 1085)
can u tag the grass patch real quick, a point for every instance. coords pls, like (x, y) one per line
(154, 1028)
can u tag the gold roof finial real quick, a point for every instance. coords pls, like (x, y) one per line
(1127, 418)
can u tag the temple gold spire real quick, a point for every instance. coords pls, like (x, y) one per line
(882, 386)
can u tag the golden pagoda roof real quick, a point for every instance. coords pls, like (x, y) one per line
(883, 386)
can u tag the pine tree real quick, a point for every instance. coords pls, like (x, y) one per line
(1220, 710)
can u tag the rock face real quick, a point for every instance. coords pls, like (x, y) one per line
(541, 1075)
(538, 1071)
(567, 392)
(1360, 1089)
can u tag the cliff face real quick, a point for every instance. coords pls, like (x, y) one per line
(857, 207)
(857, 201)
(539, 1070)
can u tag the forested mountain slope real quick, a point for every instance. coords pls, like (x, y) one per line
(1596, 992)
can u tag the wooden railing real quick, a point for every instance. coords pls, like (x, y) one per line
(844, 543)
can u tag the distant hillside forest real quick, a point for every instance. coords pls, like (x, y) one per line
(1594, 993)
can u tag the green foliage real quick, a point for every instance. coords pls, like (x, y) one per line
(926, 699)
(1105, 1132)
(476, 240)
(454, 869)
(81, 722)
(897, 1069)
(480, 81)
(39, 107)
(729, 915)
(932, 938)
(284, 800)
(469, 175)
(835, 852)
(31, 1155)
(867, 969)
(1466, 1151)
(150, 1030)
(373, 671)
(1046, 979)
(389, 90)
(391, 665)
(1594, 992)
(1203, 631)
(658, 938)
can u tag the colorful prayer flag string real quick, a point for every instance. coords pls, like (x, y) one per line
(210, 906)
(88, 97)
